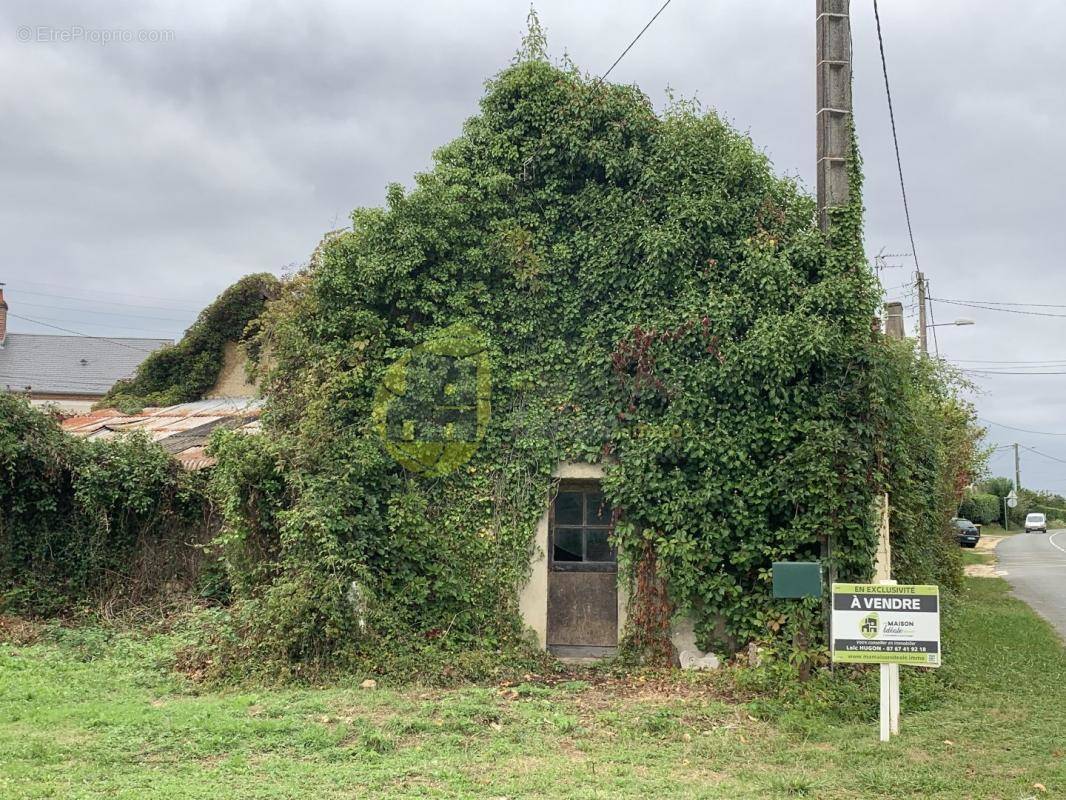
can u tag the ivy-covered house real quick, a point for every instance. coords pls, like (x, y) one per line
(588, 378)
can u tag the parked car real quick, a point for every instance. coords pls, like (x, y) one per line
(1035, 522)
(966, 533)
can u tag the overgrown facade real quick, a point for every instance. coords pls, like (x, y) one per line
(652, 302)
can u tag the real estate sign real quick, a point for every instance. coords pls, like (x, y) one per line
(886, 624)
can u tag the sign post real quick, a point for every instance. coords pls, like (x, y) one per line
(887, 624)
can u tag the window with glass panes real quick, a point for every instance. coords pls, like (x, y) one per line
(581, 527)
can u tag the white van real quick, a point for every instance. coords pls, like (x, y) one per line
(1035, 522)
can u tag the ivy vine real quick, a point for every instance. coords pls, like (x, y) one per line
(654, 298)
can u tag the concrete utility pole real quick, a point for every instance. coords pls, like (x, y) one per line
(1017, 470)
(923, 326)
(833, 107)
(834, 104)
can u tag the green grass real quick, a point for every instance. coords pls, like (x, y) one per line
(995, 529)
(91, 714)
(970, 557)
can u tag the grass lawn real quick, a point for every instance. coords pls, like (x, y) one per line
(995, 529)
(87, 713)
(970, 557)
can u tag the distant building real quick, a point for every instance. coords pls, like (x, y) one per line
(70, 373)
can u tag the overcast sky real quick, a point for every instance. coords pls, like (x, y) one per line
(142, 177)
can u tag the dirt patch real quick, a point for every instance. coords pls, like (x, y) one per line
(980, 571)
(19, 631)
(618, 695)
(987, 544)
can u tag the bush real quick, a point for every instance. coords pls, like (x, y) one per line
(86, 519)
(984, 509)
(188, 370)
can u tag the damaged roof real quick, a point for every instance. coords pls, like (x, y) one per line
(182, 430)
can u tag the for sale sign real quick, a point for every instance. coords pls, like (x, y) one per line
(886, 624)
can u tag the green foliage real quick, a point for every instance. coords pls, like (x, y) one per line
(929, 455)
(655, 299)
(1029, 501)
(186, 371)
(1000, 487)
(1052, 505)
(981, 508)
(82, 519)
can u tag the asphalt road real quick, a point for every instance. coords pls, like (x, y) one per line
(1035, 566)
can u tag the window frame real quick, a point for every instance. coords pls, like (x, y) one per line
(585, 488)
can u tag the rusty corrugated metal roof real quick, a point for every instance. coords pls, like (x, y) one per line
(182, 430)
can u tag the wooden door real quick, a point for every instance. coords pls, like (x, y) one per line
(583, 574)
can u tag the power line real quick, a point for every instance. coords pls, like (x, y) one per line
(1004, 303)
(158, 333)
(79, 333)
(19, 290)
(993, 308)
(932, 318)
(101, 291)
(603, 77)
(1058, 362)
(895, 141)
(1045, 455)
(1020, 430)
(1042, 369)
(102, 313)
(991, 372)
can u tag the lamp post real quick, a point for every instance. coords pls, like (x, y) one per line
(923, 326)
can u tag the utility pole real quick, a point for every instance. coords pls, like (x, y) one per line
(833, 104)
(833, 117)
(923, 327)
(1017, 470)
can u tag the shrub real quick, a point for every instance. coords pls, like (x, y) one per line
(86, 519)
(981, 508)
(188, 370)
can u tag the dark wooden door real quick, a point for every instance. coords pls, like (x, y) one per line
(582, 611)
(583, 574)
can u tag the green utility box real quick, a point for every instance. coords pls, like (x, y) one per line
(797, 579)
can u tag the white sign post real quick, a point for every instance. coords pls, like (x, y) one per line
(887, 624)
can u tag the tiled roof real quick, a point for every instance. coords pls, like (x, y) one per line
(70, 365)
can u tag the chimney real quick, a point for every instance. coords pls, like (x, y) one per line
(3, 316)
(894, 320)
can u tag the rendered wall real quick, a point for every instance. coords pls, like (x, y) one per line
(533, 598)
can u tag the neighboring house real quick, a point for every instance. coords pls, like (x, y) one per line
(182, 430)
(70, 373)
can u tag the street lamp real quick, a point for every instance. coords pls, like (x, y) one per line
(923, 326)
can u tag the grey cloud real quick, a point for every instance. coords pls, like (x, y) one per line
(168, 170)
